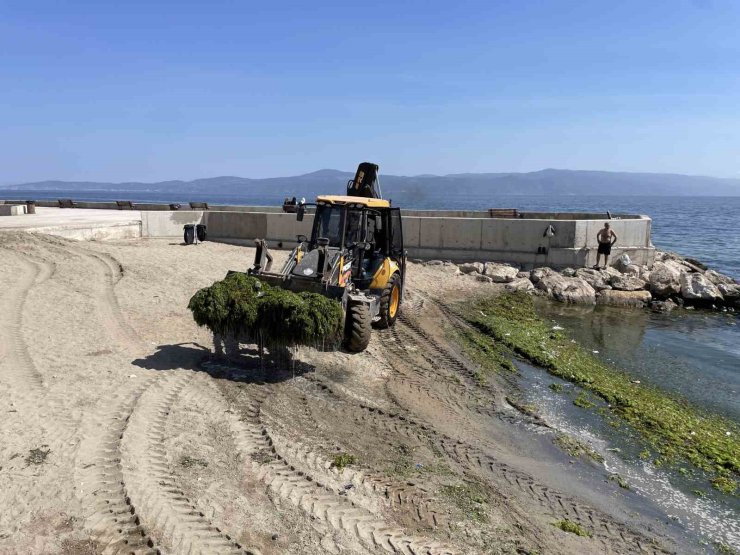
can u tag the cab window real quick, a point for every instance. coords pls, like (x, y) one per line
(329, 224)
(354, 227)
(396, 232)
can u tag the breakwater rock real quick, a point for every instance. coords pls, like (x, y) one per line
(671, 282)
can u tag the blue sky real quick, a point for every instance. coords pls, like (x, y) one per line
(180, 90)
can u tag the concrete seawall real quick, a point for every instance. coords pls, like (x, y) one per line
(519, 241)
(460, 236)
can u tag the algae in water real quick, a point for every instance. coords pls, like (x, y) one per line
(675, 429)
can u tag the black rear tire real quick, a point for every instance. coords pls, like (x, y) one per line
(390, 297)
(357, 327)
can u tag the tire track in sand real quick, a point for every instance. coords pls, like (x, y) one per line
(138, 498)
(150, 484)
(109, 513)
(614, 536)
(109, 272)
(303, 489)
(412, 499)
(111, 517)
(30, 403)
(20, 369)
(106, 300)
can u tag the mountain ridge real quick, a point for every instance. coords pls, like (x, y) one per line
(545, 181)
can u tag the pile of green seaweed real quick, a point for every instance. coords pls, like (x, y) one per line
(248, 310)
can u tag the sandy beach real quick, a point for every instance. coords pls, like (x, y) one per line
(122, 433)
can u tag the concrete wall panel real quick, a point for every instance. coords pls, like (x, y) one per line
(450, 233)
(411, 231)
(630, 233)
(94, 232)
(284, 228)
(236, 225)
(526, 235)
(168, 224)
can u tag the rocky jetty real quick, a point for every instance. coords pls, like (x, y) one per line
(671, 282)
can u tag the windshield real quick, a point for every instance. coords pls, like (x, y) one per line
(329, 222)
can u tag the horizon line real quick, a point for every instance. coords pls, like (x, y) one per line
(427, 175)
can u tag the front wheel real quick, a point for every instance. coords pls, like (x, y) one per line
(357, 327)
(390, 302)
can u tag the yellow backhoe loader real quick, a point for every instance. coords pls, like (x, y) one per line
(355, 254)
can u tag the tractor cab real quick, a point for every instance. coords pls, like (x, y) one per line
(365, 231)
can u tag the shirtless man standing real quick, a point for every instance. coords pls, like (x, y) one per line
(606, 238)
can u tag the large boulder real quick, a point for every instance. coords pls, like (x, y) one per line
(627, 283)
(662, 306)
(562, 288)
(693, 265)
(595, 278)
(520, 284)
(696, 287)
(622, 262)
(624, 298)
(538, 273)
(632, 270)
(729, 290)
(471, 268)
(717, 278)
(500, 273)
(665, 279)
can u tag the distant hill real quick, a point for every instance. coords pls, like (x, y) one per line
(544, 182)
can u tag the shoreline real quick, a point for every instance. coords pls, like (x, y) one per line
(652, 461)
(665, 422)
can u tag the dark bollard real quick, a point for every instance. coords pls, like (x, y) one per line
(30, 207)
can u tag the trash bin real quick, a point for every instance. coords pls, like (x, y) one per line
(189, 233)
(30, 207)
(201, 232)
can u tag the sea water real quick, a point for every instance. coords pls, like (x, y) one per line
(693, 355)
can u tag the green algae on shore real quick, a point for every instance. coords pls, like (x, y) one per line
(573, 527)
(675, 429)
(576, 448)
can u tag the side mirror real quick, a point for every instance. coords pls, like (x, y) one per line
(300, 212)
